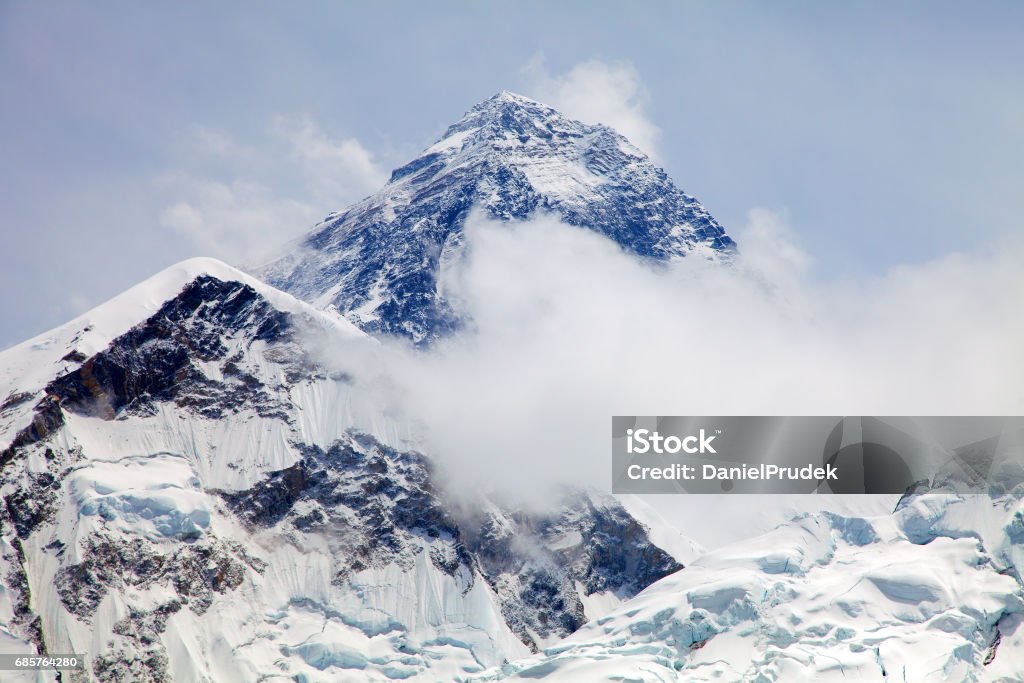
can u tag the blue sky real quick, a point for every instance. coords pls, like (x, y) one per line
(134, 136)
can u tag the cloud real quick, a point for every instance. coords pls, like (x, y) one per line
(239, 221)
(594, 91)
(218, 143)
(341, 170)
(568, 330)
(265, 192)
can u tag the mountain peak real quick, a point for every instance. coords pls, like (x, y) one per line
(505, 115)
(509, 96)
(379, 261)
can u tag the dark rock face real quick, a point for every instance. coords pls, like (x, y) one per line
(146, 666)
(14, 400)
(17, 582)
(376, 505)
(534, 561)
(158, 359)
(196, 571)
(615, 553)
(48, 419)
(510, 157)
(34, 504)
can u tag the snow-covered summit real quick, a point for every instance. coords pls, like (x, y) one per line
(512, 158)
(25, 369)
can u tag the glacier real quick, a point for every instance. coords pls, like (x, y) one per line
(823, 597)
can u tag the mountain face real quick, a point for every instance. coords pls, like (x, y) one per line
(381, 261)
(192, 492)
(930, 593)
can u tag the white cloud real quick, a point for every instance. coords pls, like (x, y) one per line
(265, 193)
(218, 143)
(239, 221)
(569, 330)
(341, 170)
(611, 93)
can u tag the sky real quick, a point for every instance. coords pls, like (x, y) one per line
(134, 136)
